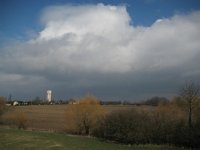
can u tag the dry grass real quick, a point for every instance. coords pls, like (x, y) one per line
(47, 117)
(52, 117)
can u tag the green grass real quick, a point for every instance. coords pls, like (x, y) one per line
(20, 140)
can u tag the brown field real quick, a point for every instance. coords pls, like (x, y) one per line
(52, 117)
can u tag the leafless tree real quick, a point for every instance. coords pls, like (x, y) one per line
(189, 93)
(2, 105)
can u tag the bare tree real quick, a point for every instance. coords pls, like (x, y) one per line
(2, 105)
(190, 93)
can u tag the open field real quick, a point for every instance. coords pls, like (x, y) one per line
(47, 117)
(18, 139)
(52, 117)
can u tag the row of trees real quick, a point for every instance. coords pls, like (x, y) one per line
(171, 122)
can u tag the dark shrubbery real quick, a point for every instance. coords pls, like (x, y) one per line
(126, 127)
(166, 124)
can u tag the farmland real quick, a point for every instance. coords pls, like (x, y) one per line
(125, 124)
(52, 117)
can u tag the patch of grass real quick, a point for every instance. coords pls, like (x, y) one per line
(19, 139)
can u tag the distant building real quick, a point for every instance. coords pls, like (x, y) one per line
(15, 103)
(49, 95)
(72, 101)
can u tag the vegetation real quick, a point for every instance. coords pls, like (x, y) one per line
(18, 119)
(17, 139)
(2, 107)
(155, 101)
(37, 117)
(82, 117)
(190, 95)
(53, 117)
(166, 124)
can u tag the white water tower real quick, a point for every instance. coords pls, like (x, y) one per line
(49, 94)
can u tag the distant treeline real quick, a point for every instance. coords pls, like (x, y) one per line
(154, 101)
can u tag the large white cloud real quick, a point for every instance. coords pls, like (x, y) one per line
(83, 41)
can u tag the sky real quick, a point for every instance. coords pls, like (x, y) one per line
(116, 50)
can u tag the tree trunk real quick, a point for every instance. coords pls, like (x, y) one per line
(86, 127)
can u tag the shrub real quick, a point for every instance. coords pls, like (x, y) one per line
(18, 119)
(81, 118)
(125, 126)
(21, 120)
(166, 124)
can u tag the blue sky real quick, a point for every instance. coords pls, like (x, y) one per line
(20, 17)
(114, 49)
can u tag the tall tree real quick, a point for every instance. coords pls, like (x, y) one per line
(189, 94)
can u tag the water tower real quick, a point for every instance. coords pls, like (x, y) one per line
(49, 94)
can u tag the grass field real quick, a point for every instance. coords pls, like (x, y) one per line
(21, 140)
(52, 117)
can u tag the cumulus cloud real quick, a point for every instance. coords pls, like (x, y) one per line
(94, 45)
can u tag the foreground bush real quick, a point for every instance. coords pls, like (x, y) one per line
(17, 119)
(166, 124)
(82, 117)
(126, 127)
